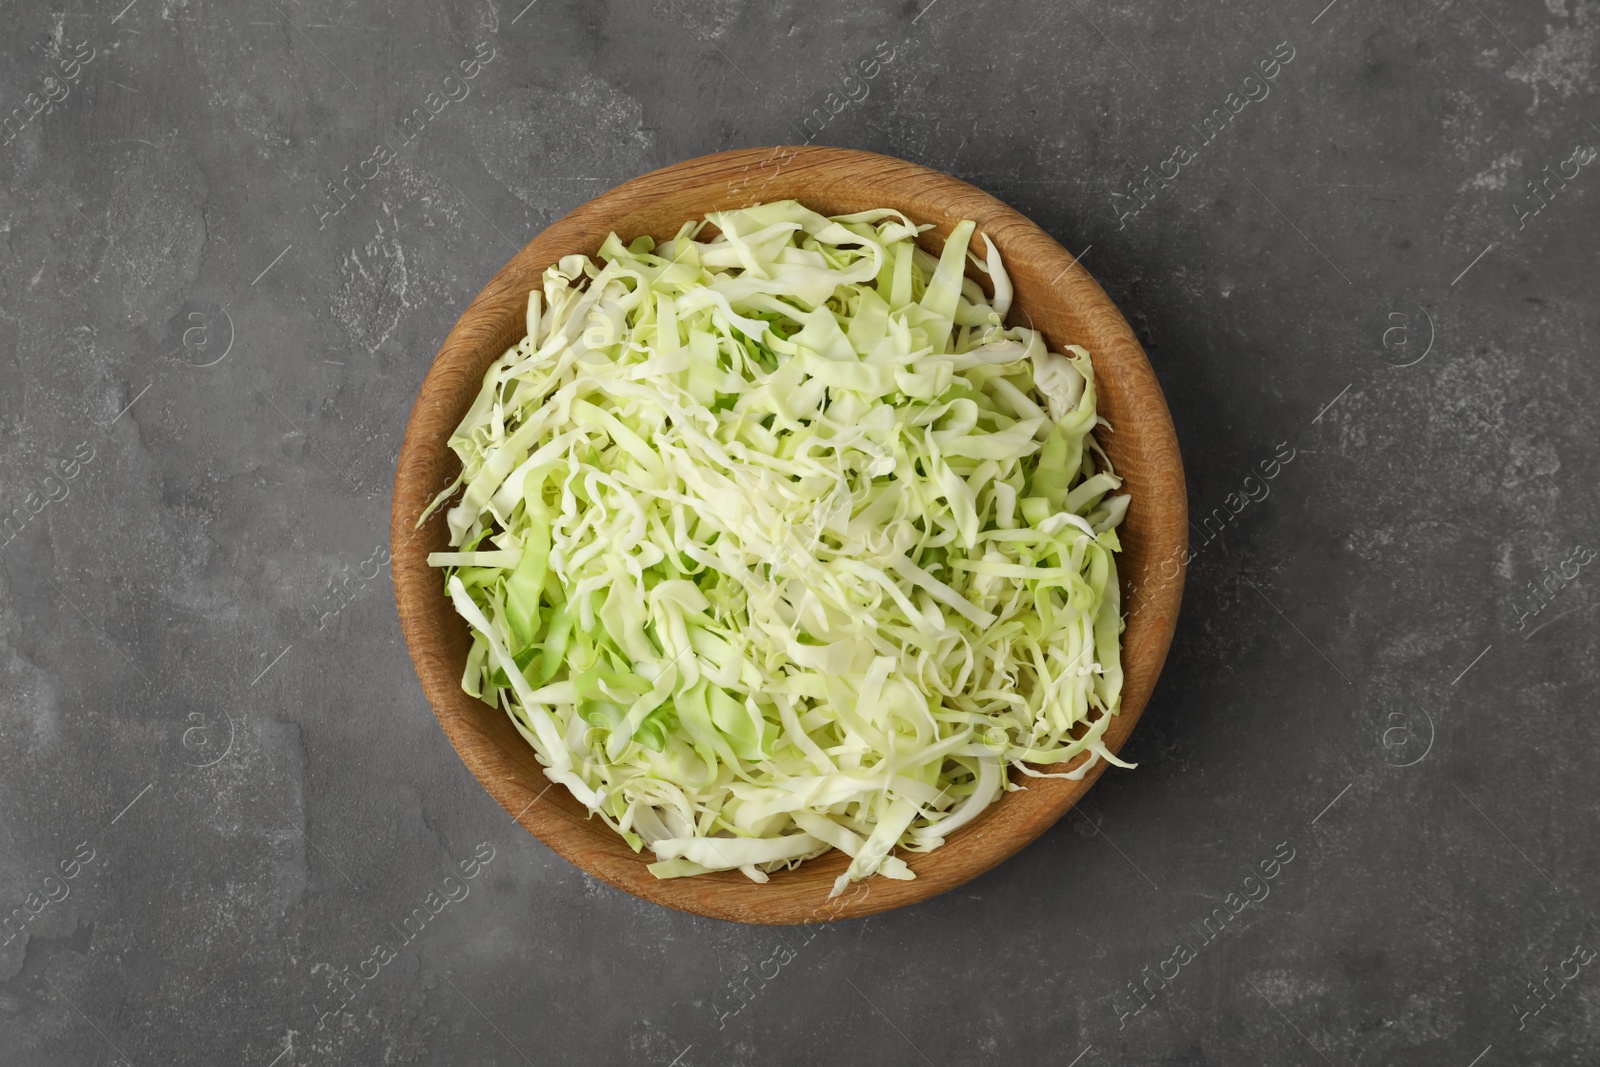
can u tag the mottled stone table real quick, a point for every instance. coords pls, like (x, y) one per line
(1358, 242)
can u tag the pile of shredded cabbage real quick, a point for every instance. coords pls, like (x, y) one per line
(781, 541)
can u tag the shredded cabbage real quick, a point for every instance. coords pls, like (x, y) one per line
(780, 541)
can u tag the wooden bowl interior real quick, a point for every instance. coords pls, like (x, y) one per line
(1053, 294)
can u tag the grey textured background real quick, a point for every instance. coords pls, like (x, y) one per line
(193, 625)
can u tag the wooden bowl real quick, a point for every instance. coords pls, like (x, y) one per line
(1052, 292)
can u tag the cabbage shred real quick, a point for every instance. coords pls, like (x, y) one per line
(780, 540)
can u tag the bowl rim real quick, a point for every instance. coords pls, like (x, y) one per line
(481, 735)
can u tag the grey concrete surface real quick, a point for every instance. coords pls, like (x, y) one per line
(207, 714)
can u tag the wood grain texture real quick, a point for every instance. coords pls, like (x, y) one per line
(1053, 293)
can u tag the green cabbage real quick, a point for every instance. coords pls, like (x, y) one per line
(780, 541)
